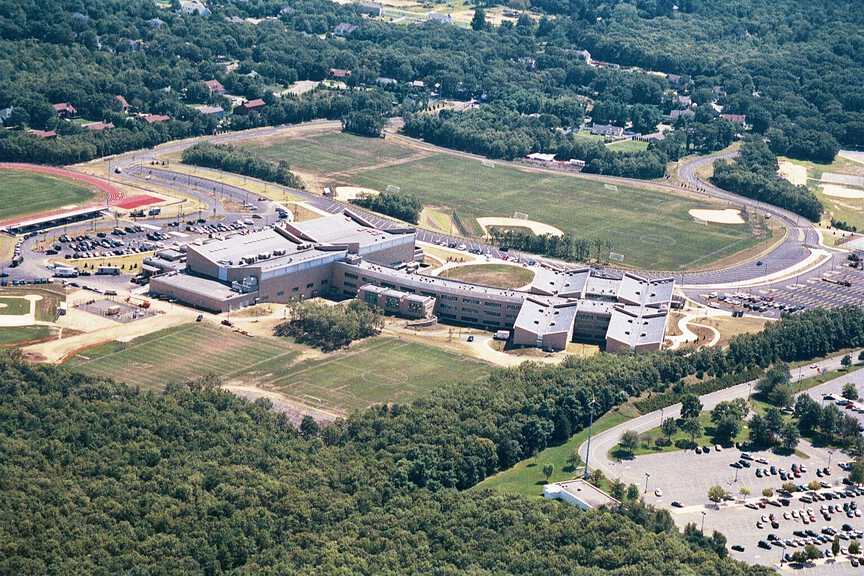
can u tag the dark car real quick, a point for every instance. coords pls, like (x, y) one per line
(677, 504)
(738, 548)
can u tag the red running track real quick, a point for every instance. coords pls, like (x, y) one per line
(138, 201)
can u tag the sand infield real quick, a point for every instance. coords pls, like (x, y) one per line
(538, 228)
(348, 193)
(727, 216)
(794, 173)
(837, 191)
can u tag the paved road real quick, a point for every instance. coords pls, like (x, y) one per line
(602, 443)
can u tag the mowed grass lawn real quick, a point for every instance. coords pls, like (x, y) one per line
(496, 275)
(180, 354)
(27, 193)
(526, 477)
(652, 229)
(376, 371)
(19, 335)
(14, 306)
(330, 152)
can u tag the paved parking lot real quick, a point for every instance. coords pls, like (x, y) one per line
(685, 477)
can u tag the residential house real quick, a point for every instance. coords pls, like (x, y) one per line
(344, 29)
(339, 73)
(155, 118)
(675, 114)
(194, 7)
(64, 110)
(383, 81)
(607, 130)
(440, 18)
(98, 126)
(417, 84)
(735, 118)
(583, 55)
(44, 134)
(5, 114)
(683, 100)
(214, 86)
(124, 105)
(156, 23)
(251, 106)
(216, 111)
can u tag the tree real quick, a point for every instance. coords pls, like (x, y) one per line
(854, 548)
(547, 471)
(692, 427)
(856, 472)
(574, 460)
(668, 427)
(632, 492)
(846, 361)
(808, 412)
(814, 485)
(850, 392)
(789, 436)
(617, 489)
(478, 21)
(629, 441)
(744, 491)
(691, 407)
(768, 492)
(728, 417)
(309, 427)
(717, 493)
(774, 386)
(835, 546)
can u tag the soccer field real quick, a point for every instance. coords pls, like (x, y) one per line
(24, 192)
(180, 354)
(330, 152)
(651, 228)
(376, 371)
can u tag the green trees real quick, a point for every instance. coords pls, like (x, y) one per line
(478, 20)
(846, 361)
(774, 386)
(629, 441)
(850, 392)
(548, 469)
(691, 407)
(239, 161)
(728, 417)
(397, 204)
(330, 327)
(856, 472)
(692, 427)
(668, 427)
(363, 123)
(717, 493)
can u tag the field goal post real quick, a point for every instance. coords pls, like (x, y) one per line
(520, 216)
(392, 189)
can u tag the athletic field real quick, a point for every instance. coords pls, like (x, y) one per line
(652, 229)
(331, 152)
(24, 193)
(180, 354)
(376, 371)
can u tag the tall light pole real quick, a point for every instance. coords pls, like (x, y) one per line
(830, 454)
(702, 530)
(590, 425)
(647, 476)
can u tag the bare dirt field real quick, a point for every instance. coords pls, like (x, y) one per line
(727, 216)
(348, 193)
(794, 173)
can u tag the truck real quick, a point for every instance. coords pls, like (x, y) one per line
(65, 272)
(108, 271)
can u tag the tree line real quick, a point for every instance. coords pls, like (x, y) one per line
(240, 161)
(565, 247)
(330, 327)
(400, 205)
(754, 175)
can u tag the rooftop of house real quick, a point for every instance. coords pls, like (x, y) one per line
(583, 491)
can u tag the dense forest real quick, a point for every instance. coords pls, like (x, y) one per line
(100, 479)
(791, 71)
(400, 205)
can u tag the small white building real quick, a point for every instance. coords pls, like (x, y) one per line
(579, 493)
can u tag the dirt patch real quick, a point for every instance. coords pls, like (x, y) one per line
(295, 411)
(348, 193)
(495, 275)
(727, 216)
(794, 173)
(538, 228)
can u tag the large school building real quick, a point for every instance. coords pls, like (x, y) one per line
(345, 255)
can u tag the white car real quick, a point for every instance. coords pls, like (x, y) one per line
(658, 492)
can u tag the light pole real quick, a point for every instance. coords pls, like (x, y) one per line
(830, 454)
(647, 476)
(702, 530)
(590, 425)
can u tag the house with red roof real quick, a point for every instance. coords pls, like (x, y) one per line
(250, 106)
(124, 105)
(64, 109)
(214, 86)
(98, 126)
(44, 134)
(339, 73)
(155, 118)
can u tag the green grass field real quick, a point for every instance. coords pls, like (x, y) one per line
(497, 275)
(331, 152)
(526, 477)
(627, 146)
(182, 353)
(376, 371)
(27, 193)
(22, 334)
(14, 306)
(651, 228)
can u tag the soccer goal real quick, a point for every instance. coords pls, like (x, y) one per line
(487, 163)
(611, 187)
(616, 257)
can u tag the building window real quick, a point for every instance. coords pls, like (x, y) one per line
(310, 285)
(295, 289)
(350, 285)
(371, 298)
(280, 293)
(350, 275)
(492, 304)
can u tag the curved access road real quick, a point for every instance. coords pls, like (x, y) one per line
(605, 441)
